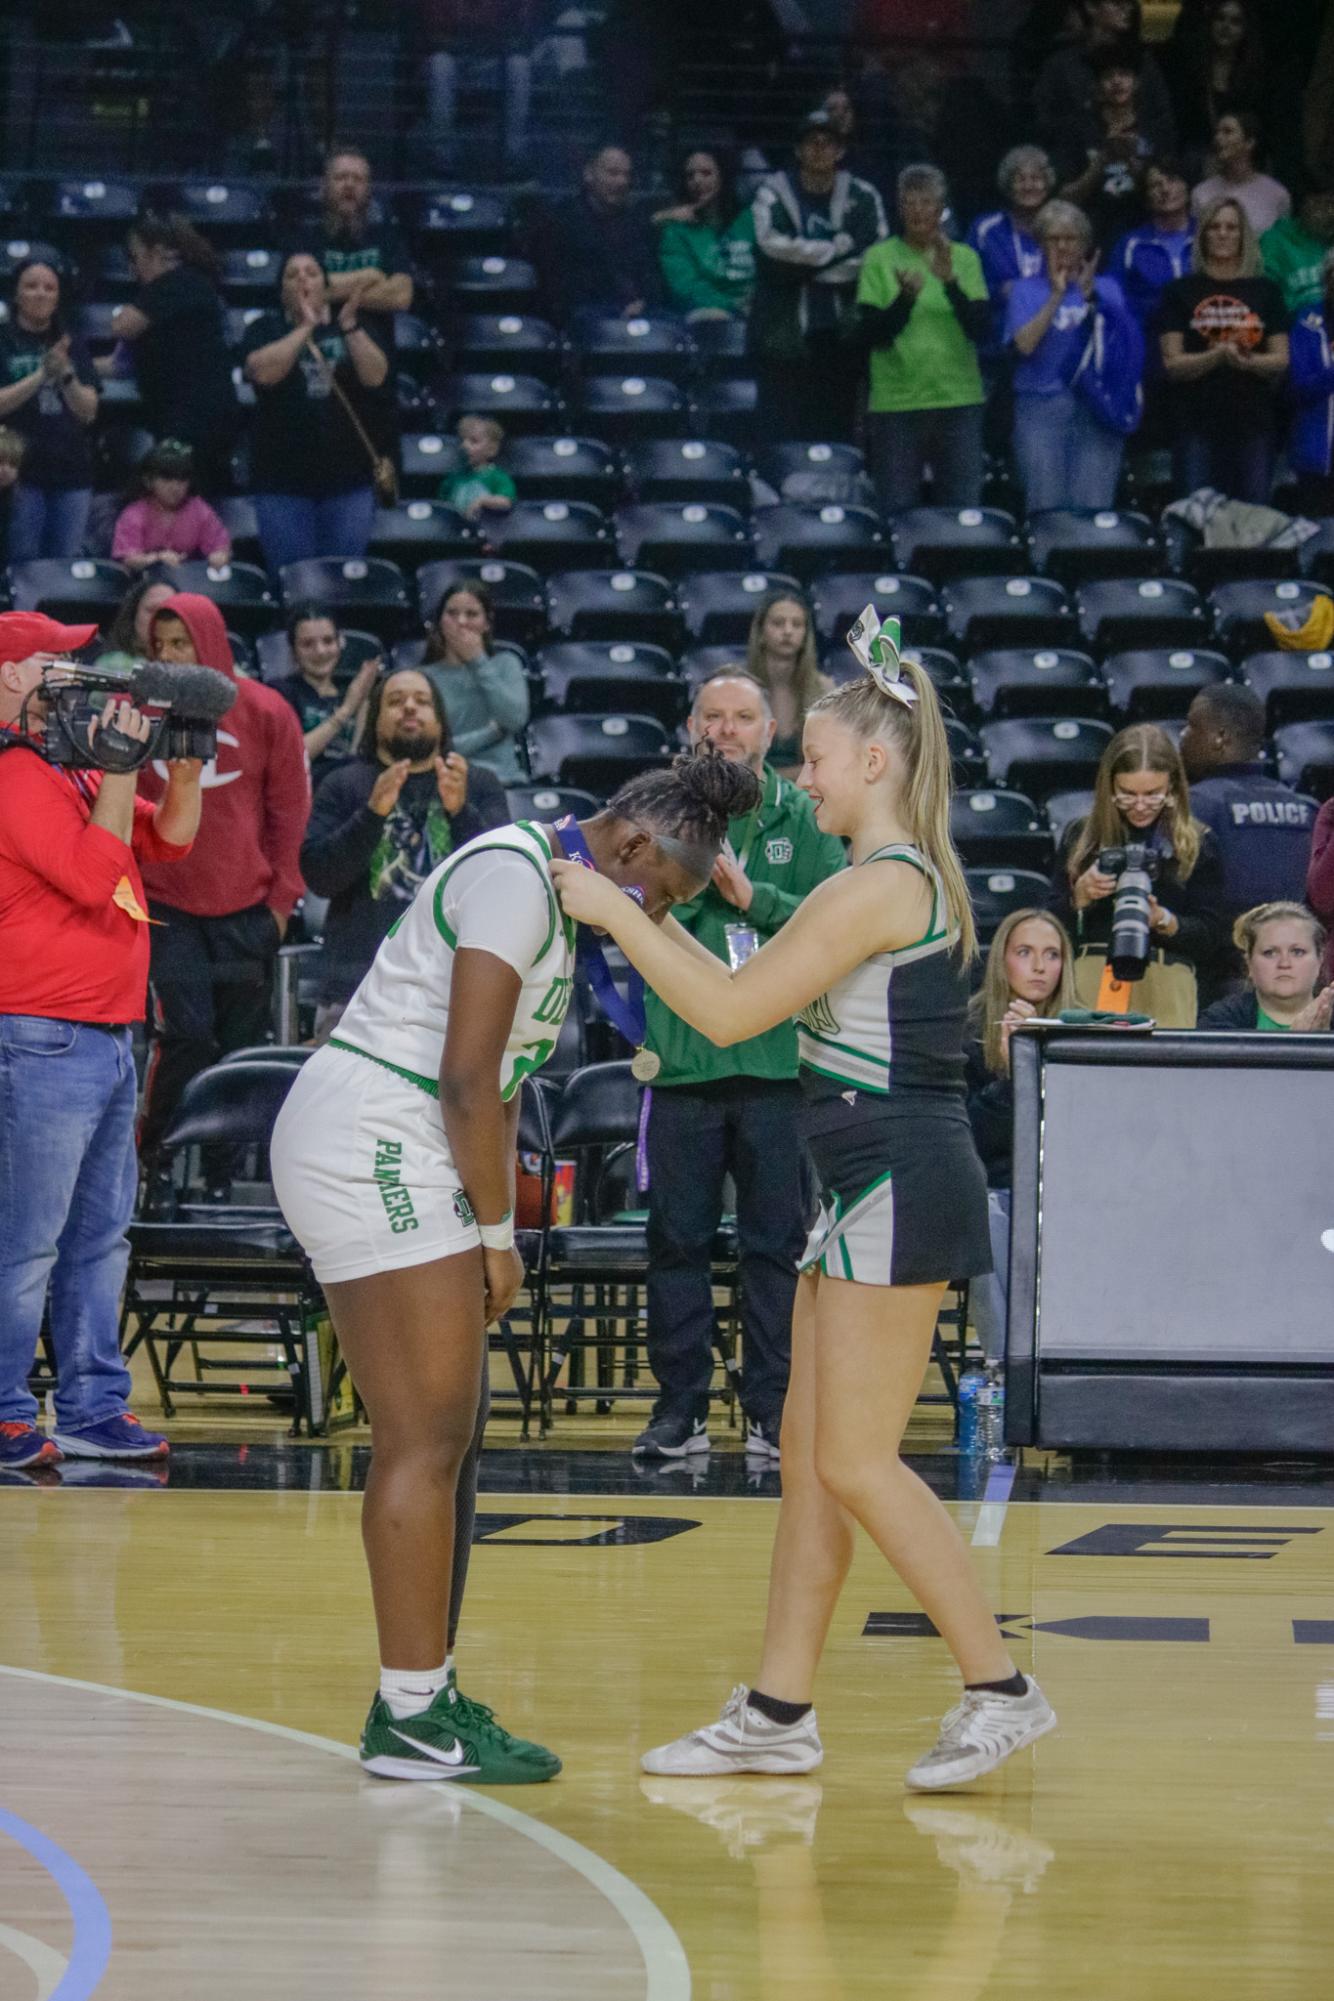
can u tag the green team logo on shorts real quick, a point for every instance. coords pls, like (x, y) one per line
(819, 1017)
(463, 1207)
(389, 1175)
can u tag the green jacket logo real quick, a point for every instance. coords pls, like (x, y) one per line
(778, 851)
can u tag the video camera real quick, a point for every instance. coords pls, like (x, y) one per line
(185, 704)
(1135, 867)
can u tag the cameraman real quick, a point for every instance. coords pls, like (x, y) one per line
(73, 977)
(1142, 799)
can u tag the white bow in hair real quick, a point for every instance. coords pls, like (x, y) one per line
(877, 644)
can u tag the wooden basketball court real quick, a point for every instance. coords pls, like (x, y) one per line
(186, 1666)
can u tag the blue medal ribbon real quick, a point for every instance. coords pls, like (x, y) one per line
(624, 1011)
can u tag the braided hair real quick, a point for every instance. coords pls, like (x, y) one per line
(692, 800)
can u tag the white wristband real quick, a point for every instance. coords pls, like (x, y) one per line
(498, 1236)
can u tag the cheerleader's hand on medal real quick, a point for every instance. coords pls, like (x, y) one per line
(587, 897)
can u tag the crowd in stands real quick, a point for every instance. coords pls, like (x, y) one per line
(1144, 311)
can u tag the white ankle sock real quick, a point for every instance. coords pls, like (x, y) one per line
(410, 1690)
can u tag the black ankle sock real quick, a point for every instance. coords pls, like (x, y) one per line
(776, 1711)
(1016, 1684)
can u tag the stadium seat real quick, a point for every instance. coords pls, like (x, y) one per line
(86, 210)
(1317, 555)
(841, 596)
(228, 211)
(1304, 753)
(237, 514)
(651, 344)
(516, 591)
(1205, 567)
(841, 664)
(1064, 808)
(1078, 544)
(240, 591)
(1294, 687)
(700, 663)
(1239, 611)
(623, 408)
(425, 459)
(1043, 754)
(671, 537)
(250, 277)
(595, 676)
(968, 756)
(418, 347)
(549, 802)
(421, 531)
(719, 605)
(778, 463)
(946, 542)
(632, 605)
(595, 753)
(995, 830)
(452, 222)
(1121, 612)
(16, 250)
(486, 342)
(491, 284)
(273, 655)
(996, 892)
(728, 408)
(1156, 684)
(364, 590)
(1007, 611)
(809, 540)
(688, 470)
(76, 590)
(1036, 681)
(551, 534)
(720, 346)
(519, 402)
(564, 469)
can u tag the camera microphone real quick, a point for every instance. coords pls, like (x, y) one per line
(194, 694)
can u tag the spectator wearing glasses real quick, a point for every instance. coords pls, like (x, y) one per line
(922, 305)
(1281, 946)
(1142, 797)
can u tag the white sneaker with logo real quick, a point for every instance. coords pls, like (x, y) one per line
(979, 1733)
(742, 1740)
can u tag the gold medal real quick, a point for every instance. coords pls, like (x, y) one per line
(645, 1065)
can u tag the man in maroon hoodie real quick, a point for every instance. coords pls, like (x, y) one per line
(221, 914)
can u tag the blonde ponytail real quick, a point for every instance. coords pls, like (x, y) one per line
(917, 731)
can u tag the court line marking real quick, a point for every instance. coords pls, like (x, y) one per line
(666, 1968)
(990, 1521)
(42, 1960)
(90, 1951)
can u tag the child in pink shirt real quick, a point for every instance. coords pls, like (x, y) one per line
(170, 524)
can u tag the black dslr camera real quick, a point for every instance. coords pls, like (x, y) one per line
(1135, 867)
(183, 702)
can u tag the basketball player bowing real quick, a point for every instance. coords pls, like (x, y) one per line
(874, 965)
(393, 1159)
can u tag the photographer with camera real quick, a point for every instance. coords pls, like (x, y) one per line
(73, 978)
(1139, 886)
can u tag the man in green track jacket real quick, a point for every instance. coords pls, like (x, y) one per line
(720, 1111)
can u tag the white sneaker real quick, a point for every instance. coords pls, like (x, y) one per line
(979, 1733)
(740, 1741)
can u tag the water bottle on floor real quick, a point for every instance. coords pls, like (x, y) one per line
(971, 1384)
(991, 1413)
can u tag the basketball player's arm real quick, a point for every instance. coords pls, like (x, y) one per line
(480, 1128)
(847, 919)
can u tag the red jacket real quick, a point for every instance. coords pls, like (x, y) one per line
(72, 950)
(256, 796)
(1320, 881)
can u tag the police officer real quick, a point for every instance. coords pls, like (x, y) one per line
(730, 1111)
(1263, 829)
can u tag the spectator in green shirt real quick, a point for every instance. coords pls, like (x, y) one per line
(1294, 251)
(707, 245)
(481, 486)
(923, 309)
(716, 1112)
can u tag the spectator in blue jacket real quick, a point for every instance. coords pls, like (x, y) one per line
(1004, 238)
(1262, 828)
(1311, 379)
(1148, 257)
(1066, 452)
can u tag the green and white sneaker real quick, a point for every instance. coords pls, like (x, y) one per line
(454, 1738)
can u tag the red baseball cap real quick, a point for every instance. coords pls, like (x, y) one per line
(23, 633)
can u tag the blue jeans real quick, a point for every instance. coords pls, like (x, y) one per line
(296, 529)
(68, 1175)
(1063, 456)
(47, 522)
(1240, 465)
(905, 442)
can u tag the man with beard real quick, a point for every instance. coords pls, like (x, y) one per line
(382, 821)
(362, 257)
